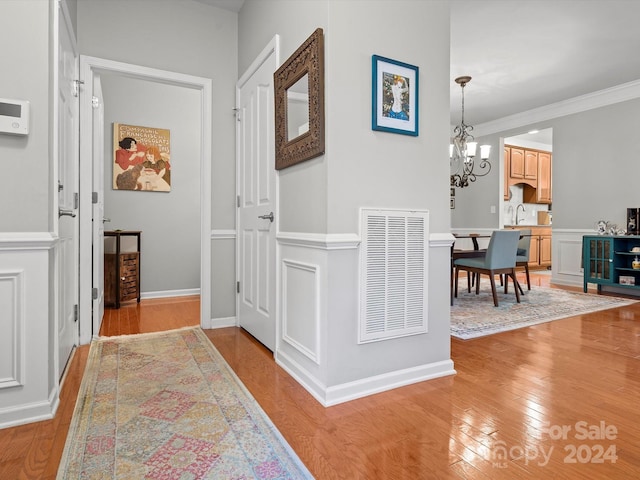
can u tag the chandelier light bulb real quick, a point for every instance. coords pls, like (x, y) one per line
(484, 151)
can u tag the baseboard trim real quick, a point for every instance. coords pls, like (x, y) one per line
(187, 292)
(222, 322)
(29, 413)
(330, 396)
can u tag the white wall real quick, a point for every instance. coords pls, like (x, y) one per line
(25, 192)
(320, 199)
(169, 221)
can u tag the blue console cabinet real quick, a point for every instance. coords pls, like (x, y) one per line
(608, 260)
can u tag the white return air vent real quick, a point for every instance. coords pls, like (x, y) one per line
(394, 269)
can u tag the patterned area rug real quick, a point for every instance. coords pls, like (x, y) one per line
(167, 406)
(475, 316)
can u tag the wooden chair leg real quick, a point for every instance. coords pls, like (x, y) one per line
(455, 294)
(515, 284)
(526, 271)
(493, 289)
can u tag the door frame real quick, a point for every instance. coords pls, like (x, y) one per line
(93, 66)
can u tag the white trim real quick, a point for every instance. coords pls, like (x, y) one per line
(441, 240)
(582, 103)
(222, 322)
(14, 311)
(187, 292)
(332, 241)
(223, 235)
(312, 353)
(88, 67)
(27, 240)
(334, 395)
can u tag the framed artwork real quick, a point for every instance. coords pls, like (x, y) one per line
(394, 96)
(141, 158)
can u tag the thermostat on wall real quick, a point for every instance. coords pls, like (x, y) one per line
(14, 116)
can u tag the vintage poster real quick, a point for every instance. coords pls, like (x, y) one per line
(141, 158)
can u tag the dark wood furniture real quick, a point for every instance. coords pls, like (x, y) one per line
(122, 271)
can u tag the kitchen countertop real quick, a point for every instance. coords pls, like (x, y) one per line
(522, 225)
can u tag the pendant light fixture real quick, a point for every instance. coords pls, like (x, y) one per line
(463, 150)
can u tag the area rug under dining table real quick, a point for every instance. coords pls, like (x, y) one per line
(475, 316)
(168, 406)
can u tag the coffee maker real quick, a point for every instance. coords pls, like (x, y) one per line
(633, 221)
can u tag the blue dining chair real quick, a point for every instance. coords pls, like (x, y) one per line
(500, 259)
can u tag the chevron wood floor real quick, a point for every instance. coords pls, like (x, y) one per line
(557, 400)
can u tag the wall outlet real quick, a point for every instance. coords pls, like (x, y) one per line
(493, 209)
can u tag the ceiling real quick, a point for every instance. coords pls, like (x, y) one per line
(524, 54)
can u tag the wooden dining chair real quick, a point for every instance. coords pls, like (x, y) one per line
(500, 259)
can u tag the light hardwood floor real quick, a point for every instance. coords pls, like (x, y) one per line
(513, 392)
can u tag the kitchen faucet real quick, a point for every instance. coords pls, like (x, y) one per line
(517, 210)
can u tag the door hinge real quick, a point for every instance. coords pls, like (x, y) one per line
(75, 313)
(76, 200)
(94, 197)
(238, 201)
(76, 87)
(237, 111)
(237, 287)
(94, 293)
(95, 102)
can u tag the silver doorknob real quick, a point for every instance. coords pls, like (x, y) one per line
(105, 220)
(62, 212)
(267, 217)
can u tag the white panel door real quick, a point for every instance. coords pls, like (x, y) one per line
(68, 188)
(98, 206)
(257, 223)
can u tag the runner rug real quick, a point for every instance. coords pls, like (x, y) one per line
(475, 316)
(168, 406)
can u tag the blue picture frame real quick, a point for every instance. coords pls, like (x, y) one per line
(394, 104)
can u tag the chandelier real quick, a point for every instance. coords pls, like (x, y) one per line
(463, 150)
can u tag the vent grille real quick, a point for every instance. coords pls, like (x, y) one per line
(394, 268)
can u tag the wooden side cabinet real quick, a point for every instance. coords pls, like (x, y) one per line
(121, 271)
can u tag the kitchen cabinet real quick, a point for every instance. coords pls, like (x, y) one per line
(608, 261)
(543, 190)
(532, 168)
(531, 165)
(516, 164)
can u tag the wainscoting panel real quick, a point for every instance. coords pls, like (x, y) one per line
(29, 378)
(13, 326)
(566, 264)
(300, 309)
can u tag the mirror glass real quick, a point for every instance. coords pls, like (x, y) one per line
(298, 108)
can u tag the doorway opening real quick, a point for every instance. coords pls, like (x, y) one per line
(93, 72)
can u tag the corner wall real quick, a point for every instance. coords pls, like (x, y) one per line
(320, 199)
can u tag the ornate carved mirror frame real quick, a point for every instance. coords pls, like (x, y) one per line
(308, 60)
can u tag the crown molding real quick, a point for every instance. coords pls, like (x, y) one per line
(582, 103)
